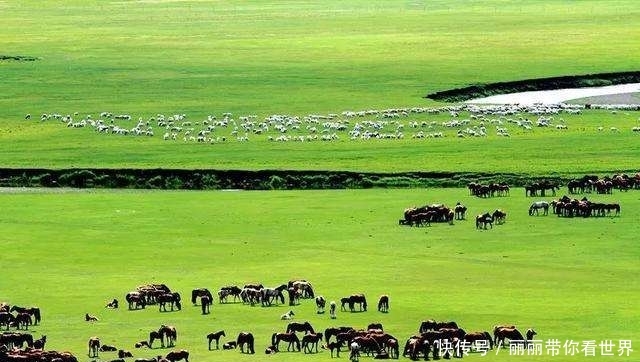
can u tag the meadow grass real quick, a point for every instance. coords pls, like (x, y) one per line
(257, 57)
(71, 252)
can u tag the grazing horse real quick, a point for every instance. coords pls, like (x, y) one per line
(215, 337)
(33, 311)
(300, 327)
(90, 318)
(483, 337)
(23, 319)
(153, 335)
(199, 293)
(483, 220)
(512, 334)
(332, 309)
(360, 300)
(460, 211)
(94, 346)
(135, 300)
(536, 206)
(39, 343)
(383, 304)
(172, 299)
(7, 319)
(287, 316)
(170, 333)
(332, 331)
(174, 356)
(269, 295)
(303, 286)
(334, 346)
(205, 303)
(291, 337)
(231, 290)
(309, 341)
(245, 338)
(499, 216)
(320, 304)
(343, 303)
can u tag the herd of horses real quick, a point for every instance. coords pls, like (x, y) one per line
(489, 190)
(425, 215)
(13, 316)
(605, 185)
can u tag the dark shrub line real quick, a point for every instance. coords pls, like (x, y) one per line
(173, 179)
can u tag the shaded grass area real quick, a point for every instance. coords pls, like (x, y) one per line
(568, 278)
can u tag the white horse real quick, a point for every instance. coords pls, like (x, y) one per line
(320, 303)
(536, 206)
(287, 316)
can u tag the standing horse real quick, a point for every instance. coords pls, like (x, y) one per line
(320, 303)
(291, 337)
(153, 335)
(300, 327)
(23, 320)
(39, 343)
(383, 304)
(201, 292)
(483, 220)
(170, 333)
(33, 311)
(512, 334)
(172, 299)
(215, 337)
(536, 206)
(360, 300)
(309, 341)
(94, 346)
(460, 211)
(245, 338)
(205, 303)
(499, 216)
(332, 309)
(268, 295)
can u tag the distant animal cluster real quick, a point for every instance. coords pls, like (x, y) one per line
(605, 185)
(152, 294)
(364, 125)
(425, 215)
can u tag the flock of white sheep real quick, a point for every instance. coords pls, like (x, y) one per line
(388, 124)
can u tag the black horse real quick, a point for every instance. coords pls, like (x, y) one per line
(483, 220)
(245, 338)
(199, 293)
(215, 337)
(173, 299)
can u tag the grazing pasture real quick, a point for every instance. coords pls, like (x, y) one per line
(566, 278)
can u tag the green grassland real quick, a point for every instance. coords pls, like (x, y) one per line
(256, 57)
(70, 252)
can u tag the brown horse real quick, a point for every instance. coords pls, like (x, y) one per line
(170, 333)
(309, 341)
(215, 337)
(291, 337)
(359, 299)
(459, 211)
(334, 346)
(513, 335)
(483, 220)
(174, 356)
(383, 304)
(245, 338)
(173, 299)
(333, 331)
(479, 337)
(94, 346)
